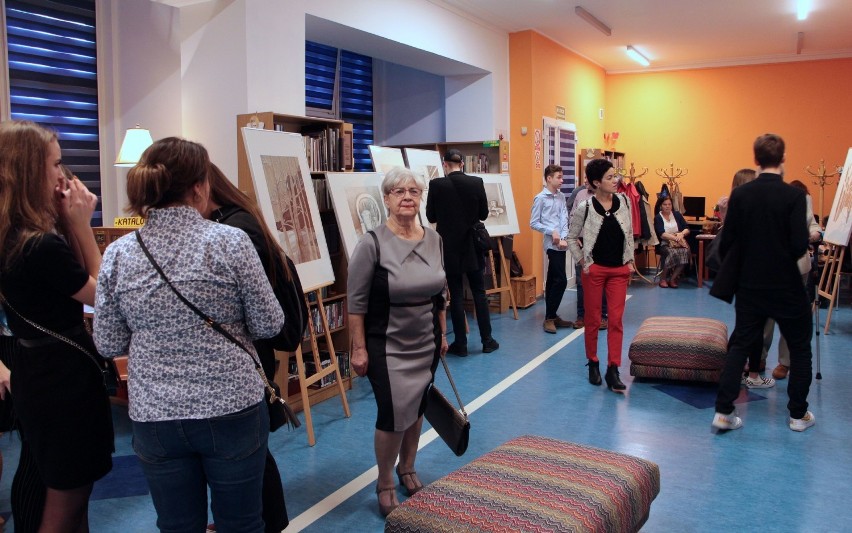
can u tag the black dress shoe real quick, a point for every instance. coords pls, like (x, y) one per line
(613, 381)
(594, 372)
(490, 345)
(457, 349)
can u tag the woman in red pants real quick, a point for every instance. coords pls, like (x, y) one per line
(601, 235)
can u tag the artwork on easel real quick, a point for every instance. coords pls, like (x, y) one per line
(428, 164)
(839, 227)
(502, 216)
(358, 204)
(285, 195)
(385, 158)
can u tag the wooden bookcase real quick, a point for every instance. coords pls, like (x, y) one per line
(335, 293)
(496, 152)
(307, 126)
(587, 154)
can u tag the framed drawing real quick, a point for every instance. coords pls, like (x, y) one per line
(358, 204)
(502, 216)
(839, 226)
(285, 195)
(385, 158)
(427, 163)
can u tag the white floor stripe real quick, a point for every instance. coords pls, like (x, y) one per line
(369, 477)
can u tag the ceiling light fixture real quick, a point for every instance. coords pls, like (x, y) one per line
(591, 19)
(803, 7)
(637, 56)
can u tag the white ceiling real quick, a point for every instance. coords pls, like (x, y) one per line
(676, 34)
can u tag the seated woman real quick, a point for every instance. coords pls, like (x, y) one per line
(672, 230)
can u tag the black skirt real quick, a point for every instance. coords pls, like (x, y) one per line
(64, 411)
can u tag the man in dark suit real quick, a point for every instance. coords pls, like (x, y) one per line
(456, 203)
(762, 240)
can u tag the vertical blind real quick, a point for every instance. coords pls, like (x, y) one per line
(339, 84)
(53, 78)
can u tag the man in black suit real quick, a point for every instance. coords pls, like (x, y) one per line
(761, 242)
(456, 203)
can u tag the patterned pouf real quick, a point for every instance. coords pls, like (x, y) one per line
(536, 484)
(673, 347)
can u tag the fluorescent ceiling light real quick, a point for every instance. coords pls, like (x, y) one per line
(636, 56)
(803, 7)
(591, 19)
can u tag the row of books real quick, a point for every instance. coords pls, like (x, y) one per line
(323, 149)
(322, 194)
(476, 163)
(310, 370)
(335, 314)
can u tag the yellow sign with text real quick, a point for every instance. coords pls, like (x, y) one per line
(128, 222)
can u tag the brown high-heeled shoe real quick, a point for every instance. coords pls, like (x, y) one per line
(385, 509)
(413, 477)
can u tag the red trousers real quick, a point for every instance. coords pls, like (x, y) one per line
(613, 281)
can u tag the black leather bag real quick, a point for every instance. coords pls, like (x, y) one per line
(280, 412)
(451, 424)
(481, 239)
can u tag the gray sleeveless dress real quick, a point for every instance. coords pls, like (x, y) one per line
(400, 288)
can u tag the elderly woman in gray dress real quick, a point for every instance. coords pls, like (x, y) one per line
(397, 317)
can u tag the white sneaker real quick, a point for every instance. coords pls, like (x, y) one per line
(801, 424)
(728, 422)
(759, 383)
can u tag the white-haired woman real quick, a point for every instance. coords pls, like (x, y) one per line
(397, 317)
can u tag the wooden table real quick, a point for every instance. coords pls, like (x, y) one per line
(702, 272)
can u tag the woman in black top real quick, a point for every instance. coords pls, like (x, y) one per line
(228, 205)
(601, 235)
(45, 277)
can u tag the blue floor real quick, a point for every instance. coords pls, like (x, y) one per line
(762, 478)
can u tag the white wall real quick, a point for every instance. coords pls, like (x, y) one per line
(408, 105)
(189, 71)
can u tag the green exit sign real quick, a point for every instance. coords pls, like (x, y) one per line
(491, 144)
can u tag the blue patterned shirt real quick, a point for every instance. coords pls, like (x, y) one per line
(178, 367)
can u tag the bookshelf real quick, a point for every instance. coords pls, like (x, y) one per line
(328, 145)
(328, 142)
(587, 154)
(491, 157)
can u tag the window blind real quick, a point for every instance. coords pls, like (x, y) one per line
(53, 78)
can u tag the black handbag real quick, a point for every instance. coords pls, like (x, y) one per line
(481, 239)
(106, 366)
(280, 412)
(450, 423)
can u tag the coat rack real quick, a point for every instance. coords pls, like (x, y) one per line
(672, 175)
(821, 180)
(631, 176)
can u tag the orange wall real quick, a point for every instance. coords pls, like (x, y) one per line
(703, 120)
(706, 121)
(543, 75)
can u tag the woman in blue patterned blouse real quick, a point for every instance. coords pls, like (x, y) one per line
(195, 398)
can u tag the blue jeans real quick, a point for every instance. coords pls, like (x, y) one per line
(181, 458)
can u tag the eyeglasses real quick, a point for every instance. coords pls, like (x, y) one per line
(399, 192)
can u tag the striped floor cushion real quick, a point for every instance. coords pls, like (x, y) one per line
(685, 348)
(535, 484)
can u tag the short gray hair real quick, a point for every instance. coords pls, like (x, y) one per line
(399, 175)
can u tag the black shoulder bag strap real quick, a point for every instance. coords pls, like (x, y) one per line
(272, 395)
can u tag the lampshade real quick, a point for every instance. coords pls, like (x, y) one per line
(136, 140)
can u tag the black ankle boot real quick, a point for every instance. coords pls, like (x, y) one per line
(613, 381)
(594, 372)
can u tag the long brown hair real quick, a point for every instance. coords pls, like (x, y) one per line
(27, 209)
(226, 194)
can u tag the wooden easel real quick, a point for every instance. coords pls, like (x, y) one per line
(829, 281)
(333, 368)
(504, 273)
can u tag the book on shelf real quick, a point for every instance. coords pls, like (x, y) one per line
(322, 147)
(335, 315)
(325, 362)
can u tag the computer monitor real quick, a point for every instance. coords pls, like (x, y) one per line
(694, 206)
